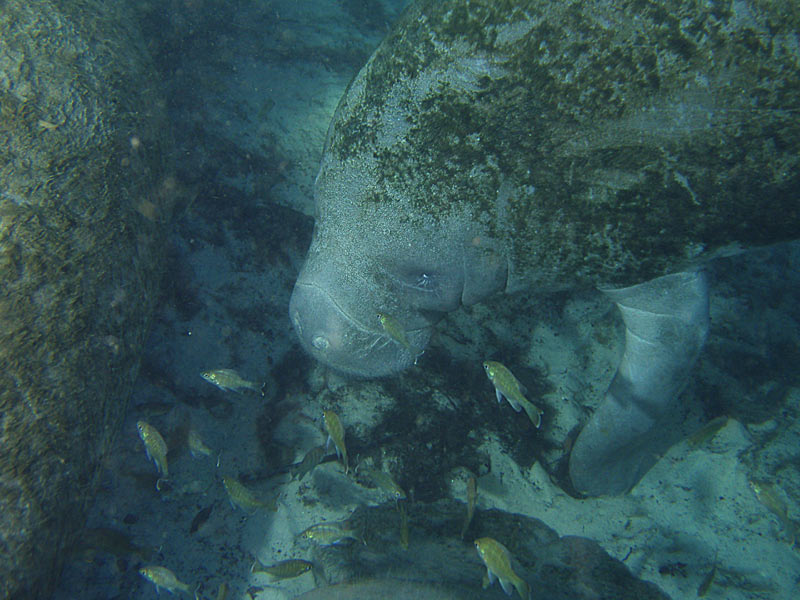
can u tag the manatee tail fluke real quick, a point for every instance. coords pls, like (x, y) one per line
(666, 322)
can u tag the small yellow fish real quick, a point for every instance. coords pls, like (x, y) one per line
(507, 386)
(154, 446)
(200, 518)
(403, 525)
(162, 577)
(154, 408)
(228, 379)
(245, 499)
(329, 533)
(222, 592)
(335, 429)
(472, 495)
(497, 559)
(707, 431)
(384, 481)
(285, 569)
(312, 458)
(111, 541)
(196, 445)
(395, 331)
(770, 498)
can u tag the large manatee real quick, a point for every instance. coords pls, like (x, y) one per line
(84, 204)
(499, 145)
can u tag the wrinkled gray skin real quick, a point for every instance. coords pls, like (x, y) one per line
(80, 264)
(497, 146)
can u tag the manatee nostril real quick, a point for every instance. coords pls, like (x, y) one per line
(320, 342)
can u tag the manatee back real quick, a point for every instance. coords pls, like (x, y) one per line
(605, 141)
(83, 207)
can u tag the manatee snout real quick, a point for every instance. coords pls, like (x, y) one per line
(348, 340)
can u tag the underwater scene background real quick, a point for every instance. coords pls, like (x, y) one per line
(248, 470)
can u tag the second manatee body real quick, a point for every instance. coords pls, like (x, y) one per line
(85, 199)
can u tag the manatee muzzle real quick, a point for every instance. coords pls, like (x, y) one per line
(352, 344)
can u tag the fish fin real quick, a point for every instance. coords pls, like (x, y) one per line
(514, 404)
(485, 582)
(506, 585)
(499, 395)
(490, 576)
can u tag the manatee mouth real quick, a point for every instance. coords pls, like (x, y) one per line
(333, 336)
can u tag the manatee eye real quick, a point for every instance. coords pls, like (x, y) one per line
(425, 282)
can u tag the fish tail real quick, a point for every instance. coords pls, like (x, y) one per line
(523, 588)
(534, 414)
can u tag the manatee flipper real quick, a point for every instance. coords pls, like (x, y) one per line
(666, 322)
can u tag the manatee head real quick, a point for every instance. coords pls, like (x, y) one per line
(370, 255)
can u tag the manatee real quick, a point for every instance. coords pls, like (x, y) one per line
(543, 146)
(83, 207)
